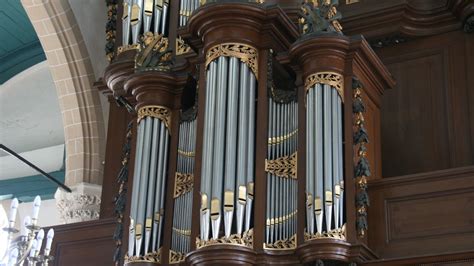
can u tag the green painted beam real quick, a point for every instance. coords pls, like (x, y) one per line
(26, 188)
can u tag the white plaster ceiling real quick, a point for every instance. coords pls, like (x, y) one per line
(30, 117)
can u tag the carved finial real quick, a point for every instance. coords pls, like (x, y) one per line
(154, 53)
(320, 16)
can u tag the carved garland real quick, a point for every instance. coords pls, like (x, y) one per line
(120, 200)
(284, 166)
(110, 29)
(245, 240)
(329, 78)
(246, 53)
(362, 168)
(183, 184)
(156, 111)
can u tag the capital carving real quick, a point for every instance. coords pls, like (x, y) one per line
(82, 204)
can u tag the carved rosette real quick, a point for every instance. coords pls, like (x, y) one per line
(246, 240)
(329, 78)
(82, 204)
(156, 111)
(284, 166)
(245, 53)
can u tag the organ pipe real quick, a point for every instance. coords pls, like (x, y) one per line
(324, 154)
(228, 138)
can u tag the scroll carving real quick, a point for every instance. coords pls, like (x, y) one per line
(285, 244)
(176, 257)
(154, 53)
(156, 111)
(149, 257)
(339, 233)
(181, 46)
(246, 53)
(329, 78)
(245, 240)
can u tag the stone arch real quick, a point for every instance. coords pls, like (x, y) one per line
(70, 65)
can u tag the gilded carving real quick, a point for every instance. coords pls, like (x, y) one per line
(246, 53)
(129, 47)
(149, 257)
(110, 29)
(156, 111)
(176, 257)
(284, 244)
(181, 46)
(320, 16)
(154, 53)
(329, 78)
(339, 233)
(285, 166)
(186, 153)
(183, 184)
(245, 240)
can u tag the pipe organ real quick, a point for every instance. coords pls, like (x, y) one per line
(256, 162)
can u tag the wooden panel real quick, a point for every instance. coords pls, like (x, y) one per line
(424, 214)
(425, 119)
(86, 243)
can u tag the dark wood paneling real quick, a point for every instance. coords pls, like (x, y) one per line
(424, 214)
(425, 119)
(86, 243)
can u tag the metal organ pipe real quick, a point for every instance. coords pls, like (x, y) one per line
(227, 173)
(324, 157)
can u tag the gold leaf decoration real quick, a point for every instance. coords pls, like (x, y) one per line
(328, 78)
(183, 183)
(176, 257)
(285, 244)
(181, 46)
(245, 240)
(280, 139)
(246, 53)
(285, 166)
(149, 257)
(156, 111)
(339, 233)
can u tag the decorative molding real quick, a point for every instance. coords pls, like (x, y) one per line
(246, 53)
(83, 204)
(329, 78)
(183, 184)
(285, 166)
(245, 240)
(156, 111)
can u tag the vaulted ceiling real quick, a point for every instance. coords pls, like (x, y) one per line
(19, 45)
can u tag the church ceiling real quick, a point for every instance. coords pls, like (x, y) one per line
(19, 45)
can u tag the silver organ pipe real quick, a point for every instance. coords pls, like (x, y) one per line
(186, 8)
(181, 231)
(281, 175)
(324, 159)
(227, 174)
(149, 184)
(141, 16)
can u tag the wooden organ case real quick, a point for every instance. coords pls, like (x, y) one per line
(251, 133)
